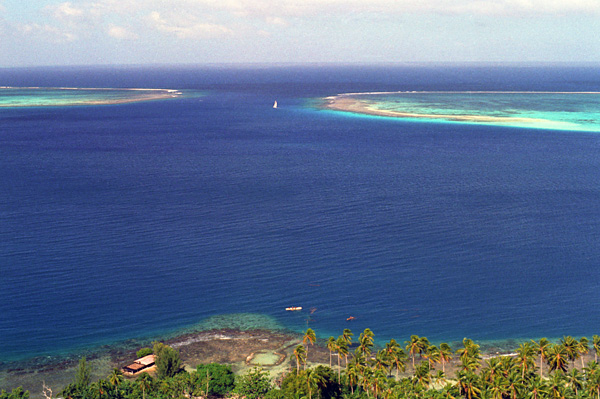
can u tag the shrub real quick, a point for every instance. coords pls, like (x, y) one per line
(144, 352)
(254, 384)
(217, 379)
(168, 362)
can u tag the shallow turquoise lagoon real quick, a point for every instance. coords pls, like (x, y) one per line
(578, 111)
(66, 96)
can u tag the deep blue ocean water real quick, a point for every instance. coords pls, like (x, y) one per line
(136, 220)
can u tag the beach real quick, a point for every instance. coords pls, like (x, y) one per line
(241, 349)
(349, 103)
(272, 350)
(74, 96)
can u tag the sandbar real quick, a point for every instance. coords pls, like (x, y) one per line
(348, 103)
(129, 95)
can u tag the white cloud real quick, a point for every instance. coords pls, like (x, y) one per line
(198, 19)
(295, 8)
(65, 11)
(186, 26)
(119, 32)
(47, 32)
(210, 18)
(276, 21)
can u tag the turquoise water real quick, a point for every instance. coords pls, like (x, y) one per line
(40, 97)
(578, 111)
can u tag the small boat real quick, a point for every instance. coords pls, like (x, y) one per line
(275, 104)
(350, 318)
(293, 308)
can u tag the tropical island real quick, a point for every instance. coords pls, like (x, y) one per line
(261, 364)
(75, 96)
(543, 110)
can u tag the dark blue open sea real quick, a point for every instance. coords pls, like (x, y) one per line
(143, 219)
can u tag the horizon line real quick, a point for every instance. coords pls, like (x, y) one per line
(279, 65)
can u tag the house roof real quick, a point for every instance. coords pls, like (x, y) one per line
(134, 367)
(146, 360)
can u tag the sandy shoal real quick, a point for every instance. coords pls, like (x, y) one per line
(350, 104)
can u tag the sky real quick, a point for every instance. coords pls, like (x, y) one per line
(123, 32)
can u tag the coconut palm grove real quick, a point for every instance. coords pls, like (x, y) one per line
(358, 369)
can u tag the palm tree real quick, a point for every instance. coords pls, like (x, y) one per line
(421, 377)
(469, 364)
(557, 357)
(331, 346)
(379, 380)
(342, 350)
(524, 358)
(445, 355)
(414, 346)
(381, 361)
(468, 383)
(115, 378)
(570, 345)
(592, 368)
(396, 355)
(365, 342)
(583, 348)
(469, 354)
(493, 369)
(432, 354)
(144, 381)
(593, 381)
(366, 378)
(574, 380)
(542, 349)
(309, 337)
(498, 386)
(537, 388)
(515, 384)
(347, 338)
(300, 354)
(391, 346)
(97, 389)
(596, 345)
(352, 374)
(347, 335)
(557, 388)
(313, 380)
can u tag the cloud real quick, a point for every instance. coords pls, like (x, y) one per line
(276, 21)
(294, 8)
(119, 32)
(199, 19)
(186, 26)
(65, 11)
(47, 32)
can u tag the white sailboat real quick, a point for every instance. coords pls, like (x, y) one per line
(275, 104)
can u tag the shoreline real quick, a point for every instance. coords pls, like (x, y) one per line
(144, 95)
(346, 103)
(239, 348)
(234, 347)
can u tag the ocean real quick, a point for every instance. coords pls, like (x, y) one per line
(140, 220)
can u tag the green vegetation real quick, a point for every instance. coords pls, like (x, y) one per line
(168, 362)
(254, 384)
(16, 393)
(538, 370)
(144, 352)
(217, 378)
